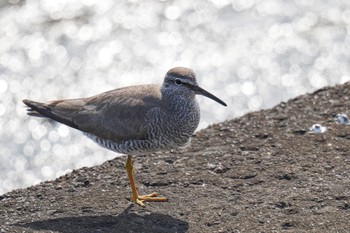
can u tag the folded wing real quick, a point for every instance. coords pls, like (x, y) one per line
(116, 115)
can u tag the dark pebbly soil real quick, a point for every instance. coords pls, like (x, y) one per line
(263, 172)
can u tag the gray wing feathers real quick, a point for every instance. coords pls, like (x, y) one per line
(115, 115)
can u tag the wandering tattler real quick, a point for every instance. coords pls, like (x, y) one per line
(134, 120)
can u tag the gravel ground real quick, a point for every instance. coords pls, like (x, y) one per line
(263, 172)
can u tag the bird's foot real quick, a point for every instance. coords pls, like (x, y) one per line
(150, 197)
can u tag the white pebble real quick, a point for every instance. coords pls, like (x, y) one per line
(317, 128)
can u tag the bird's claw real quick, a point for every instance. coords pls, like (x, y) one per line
(150, 197)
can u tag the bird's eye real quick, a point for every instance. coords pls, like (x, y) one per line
(178, 81)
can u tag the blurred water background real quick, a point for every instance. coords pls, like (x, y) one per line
(253, 54)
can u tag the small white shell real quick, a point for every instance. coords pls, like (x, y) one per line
(342, 119)
(317, 128)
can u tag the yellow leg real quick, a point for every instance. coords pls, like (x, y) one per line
(135, 196)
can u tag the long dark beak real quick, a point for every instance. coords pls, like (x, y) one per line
(201, 91)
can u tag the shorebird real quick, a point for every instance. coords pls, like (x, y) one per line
(134, 120)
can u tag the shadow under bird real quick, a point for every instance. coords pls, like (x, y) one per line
(134, 120)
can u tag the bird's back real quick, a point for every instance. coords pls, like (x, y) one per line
(116, 115)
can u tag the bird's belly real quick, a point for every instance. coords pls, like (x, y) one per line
(135, 147)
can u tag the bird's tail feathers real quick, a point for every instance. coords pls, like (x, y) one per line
(38, 109)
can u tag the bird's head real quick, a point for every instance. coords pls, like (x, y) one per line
(182, 81)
